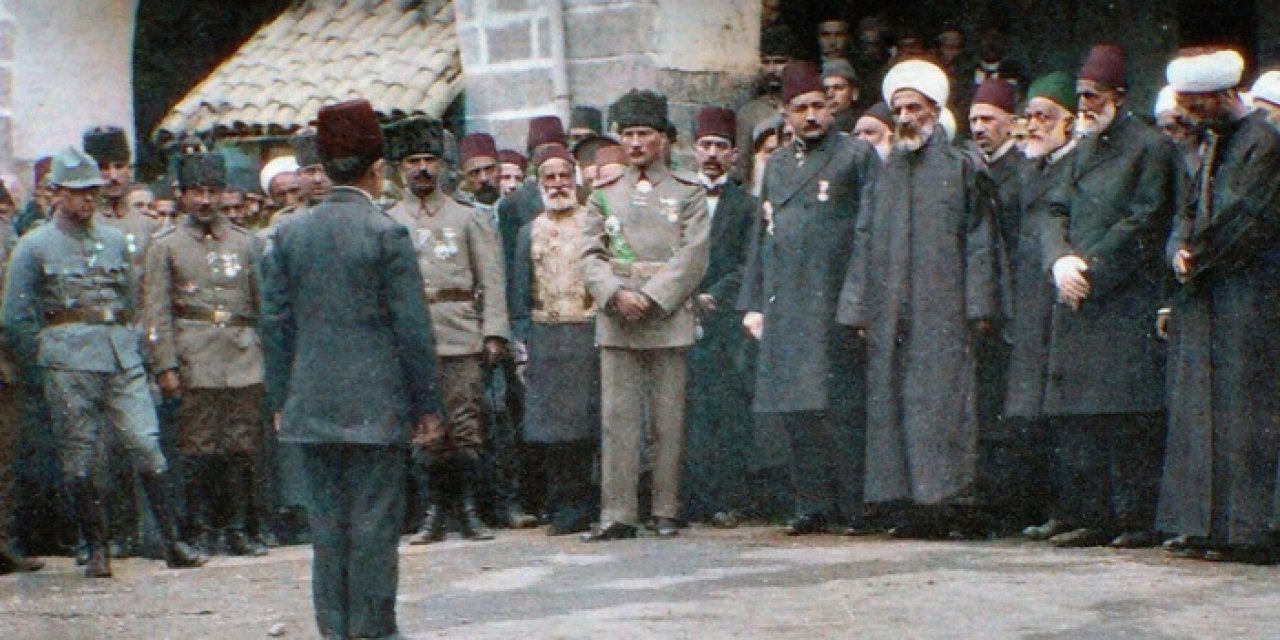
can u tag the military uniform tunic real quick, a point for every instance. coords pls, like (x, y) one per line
(646, 232)
(68, 297)
(202, 298)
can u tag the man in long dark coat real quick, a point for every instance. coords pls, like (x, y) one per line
(351, 368)
(808, 376)
(1220, 474)
(1105, 391)
(923, 287)
(719, 449)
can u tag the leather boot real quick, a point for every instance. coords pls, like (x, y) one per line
(239, 493)
(472, 527)
(177, 555)
(433, 526)
(431, 488)
(93, 526)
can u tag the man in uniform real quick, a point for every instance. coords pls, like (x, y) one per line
(808, 378)
(1102, 243)
(1220, 476)
(69, 297)
(841, 85)
(645, 253)
(923, 286)
(462, 272)
(202, 297)
(776, 48)
(351, 369)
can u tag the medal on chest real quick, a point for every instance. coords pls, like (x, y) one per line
(767, 207)
(671, 207)
(640, 197)
(131, 243)
(91, 260)
(224, 264)
(447, 246)
(823, 186)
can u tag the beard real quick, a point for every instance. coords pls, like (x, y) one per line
(559, 199)
(908, 137)
(1093, 122)
(767, 83)
(487, 194)
(1038, 147)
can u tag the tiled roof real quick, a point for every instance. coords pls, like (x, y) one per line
(401, 56)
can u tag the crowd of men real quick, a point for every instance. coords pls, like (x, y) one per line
(1052, 318)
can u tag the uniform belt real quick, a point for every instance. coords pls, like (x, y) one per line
(96, 315)
(435, 296)
(221, 318)
(555, 317)
(636, 269)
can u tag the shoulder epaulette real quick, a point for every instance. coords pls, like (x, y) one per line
(469, 205)
(610, 182)
(685, 177)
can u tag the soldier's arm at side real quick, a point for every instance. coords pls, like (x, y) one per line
(487, 265)
(601, 282)
(676, 281)
(158, 310)
(20, 313)
(410, 321)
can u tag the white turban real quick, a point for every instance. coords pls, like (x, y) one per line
(1267, 87)
(923, 76)
(948, 122)
(277, 166)
(1166, 100)
(1207, 73)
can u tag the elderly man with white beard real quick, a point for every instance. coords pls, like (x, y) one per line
(922, 286)
(1104, 395)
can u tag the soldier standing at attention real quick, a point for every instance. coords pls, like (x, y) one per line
(462, 272)
(645, 253)
(69, 298)
(202, 298)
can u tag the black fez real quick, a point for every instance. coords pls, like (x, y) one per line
(638, 108)
(584, 117)
(202, 170)
(107, 144)
(305, 149)
(413, 136)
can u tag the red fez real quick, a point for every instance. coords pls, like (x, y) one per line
(716, 121)
(349, 130)
(41, 169)
(477, 145)
(545, 130)
(511, 156)
(1105, 66)
(613, 154)
(998, 93)
(553, 153)
(801, 78)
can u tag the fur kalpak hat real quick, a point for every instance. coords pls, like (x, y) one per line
(413, 136)
(638, 108)
(202, 170)
(107, 144)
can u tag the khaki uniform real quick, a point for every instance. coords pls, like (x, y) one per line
(462, 272)
(201, 310)
(648, 234)
(138, 232)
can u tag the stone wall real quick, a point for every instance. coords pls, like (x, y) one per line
(694, 52)
(7, 32)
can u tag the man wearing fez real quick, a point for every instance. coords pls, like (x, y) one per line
(1026, 451)
(202, 297)
(69, 299)
(645, 253)
(351, 371)
(1220, 475)
(463, 279)
(719, 434)
(584, 122)
(809, 373)
(1102, 242)
(312, 178)
(512, 167)
(553, 315)
(480, 170)
(923, 288)
(517, 209)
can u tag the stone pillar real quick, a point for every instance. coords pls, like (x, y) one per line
(8, 32)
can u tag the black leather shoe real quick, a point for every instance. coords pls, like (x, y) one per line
(1134, 540)
(609, 531)
(807, 524)
(1047, 530)
(1078, 538)
(11, 561)
(239, 544)
(666, 528)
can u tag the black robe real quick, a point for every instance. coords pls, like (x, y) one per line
(1224, 400)
(924, 270)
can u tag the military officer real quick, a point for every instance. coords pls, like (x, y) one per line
(110, 148)
(68, 299)
(462, 271)
(201, 304)
(645, 253)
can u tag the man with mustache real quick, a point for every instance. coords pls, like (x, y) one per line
(923, 288)
(462, 270)
(202, 297)
(1105, 394)
(1220, 480)
(480, 172)
(512, 167)
(1027, 448)
(876, 125)
(719, 434)
(645, 251)
(312, 178)
(809, 371)
(552, 313)
(777, 46)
